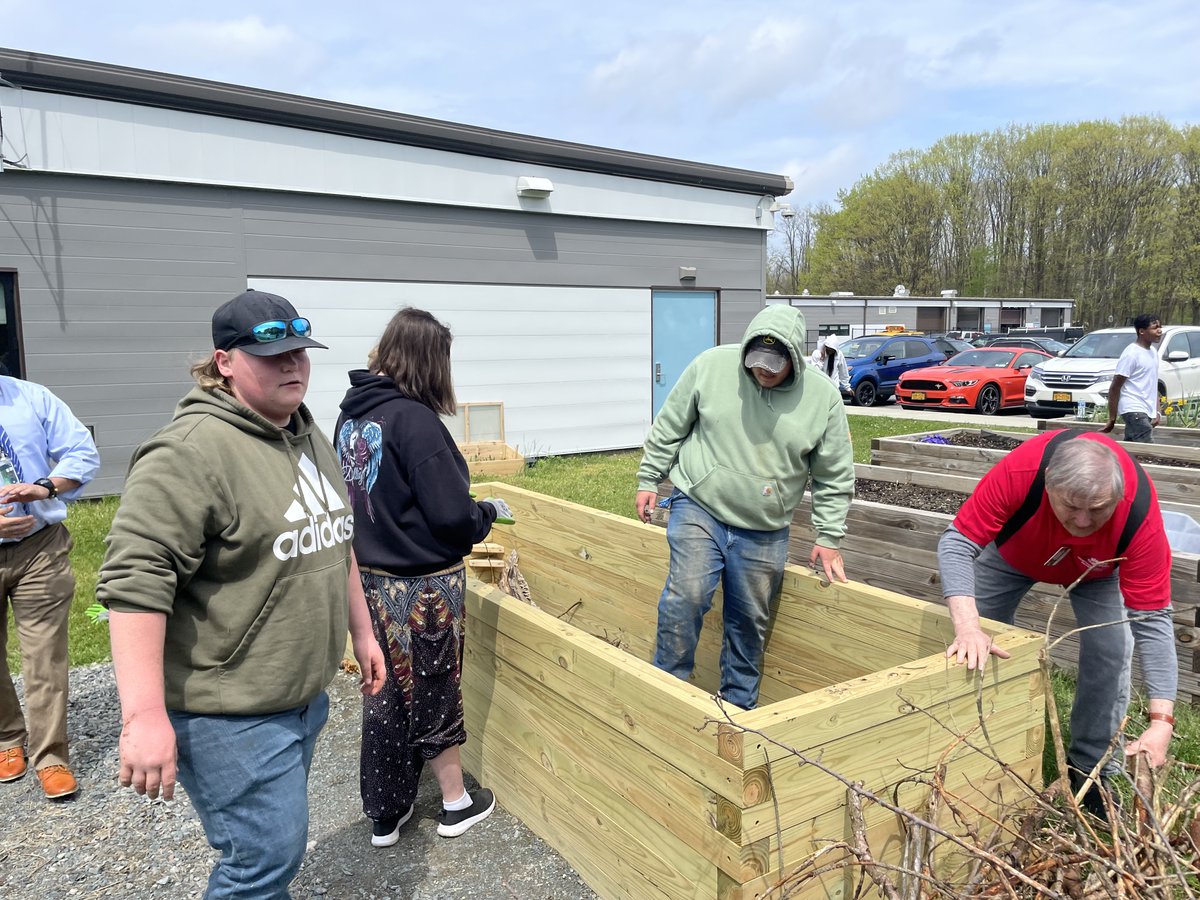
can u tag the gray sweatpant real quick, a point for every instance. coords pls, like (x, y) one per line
(1102, 694)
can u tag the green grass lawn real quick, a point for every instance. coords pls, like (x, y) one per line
(88, 521)
(608, 481)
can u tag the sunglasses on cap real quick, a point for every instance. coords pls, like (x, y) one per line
(278, 329)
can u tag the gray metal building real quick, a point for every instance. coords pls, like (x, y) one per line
(578, 280)
(848, 314)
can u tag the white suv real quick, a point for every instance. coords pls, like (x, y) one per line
(1084, 373)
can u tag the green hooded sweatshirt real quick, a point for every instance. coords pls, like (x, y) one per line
(745, 453)
(240, 532)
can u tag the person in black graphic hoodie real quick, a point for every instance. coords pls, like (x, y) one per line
(414, 522)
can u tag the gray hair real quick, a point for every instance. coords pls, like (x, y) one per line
(1083, 469)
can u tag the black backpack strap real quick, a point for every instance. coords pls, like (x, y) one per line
(1033, 499)
(1138, 510)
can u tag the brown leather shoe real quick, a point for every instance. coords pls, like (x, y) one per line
(12, 764)
(57, 781)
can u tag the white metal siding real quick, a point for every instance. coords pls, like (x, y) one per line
(570, 364)
(83, 136)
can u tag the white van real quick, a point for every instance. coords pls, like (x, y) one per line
(1083, 374)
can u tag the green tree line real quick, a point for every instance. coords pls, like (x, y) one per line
(1107, 213)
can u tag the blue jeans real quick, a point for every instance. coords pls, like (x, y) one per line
(749, 564)
(1138, 427)
(247, 777)
(1102, 692)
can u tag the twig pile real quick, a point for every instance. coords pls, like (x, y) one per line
(1036, 843)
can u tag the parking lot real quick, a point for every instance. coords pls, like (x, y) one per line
(1012, 419)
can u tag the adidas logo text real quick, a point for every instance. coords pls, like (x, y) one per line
(316, 501)
(315, 536)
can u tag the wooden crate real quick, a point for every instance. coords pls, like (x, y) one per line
(1178, 488)
(629, 774)
(491, 458)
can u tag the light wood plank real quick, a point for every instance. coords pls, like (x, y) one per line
(600, 761)
(856, 706)
(581, 834)
(882, 833)
(892, 750)
(665, 714)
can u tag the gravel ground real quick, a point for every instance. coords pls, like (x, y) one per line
(108, 842)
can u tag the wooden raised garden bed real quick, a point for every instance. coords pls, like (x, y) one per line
(1163, 434)
(492, 458)
(627, 772)
(1175, 470)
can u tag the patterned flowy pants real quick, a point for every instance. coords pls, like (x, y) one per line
(420, 624)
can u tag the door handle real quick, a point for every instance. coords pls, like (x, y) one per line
(658, 373)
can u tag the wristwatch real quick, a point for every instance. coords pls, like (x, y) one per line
(48, 485)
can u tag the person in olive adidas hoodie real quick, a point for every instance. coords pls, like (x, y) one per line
(740, 435)
(230, 582)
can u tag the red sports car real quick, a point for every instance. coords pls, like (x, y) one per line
(986, 380)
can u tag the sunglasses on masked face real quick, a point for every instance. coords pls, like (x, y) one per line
(278, 329)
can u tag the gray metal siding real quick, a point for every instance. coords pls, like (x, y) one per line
(316, 237)
(118, 279)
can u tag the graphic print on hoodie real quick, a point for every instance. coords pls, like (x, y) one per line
(360, 449)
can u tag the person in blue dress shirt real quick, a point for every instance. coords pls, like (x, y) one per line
(46, 456)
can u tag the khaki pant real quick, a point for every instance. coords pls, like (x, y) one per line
(36, 579)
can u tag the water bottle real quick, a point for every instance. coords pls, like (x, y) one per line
(1081, 410)
(8, 475)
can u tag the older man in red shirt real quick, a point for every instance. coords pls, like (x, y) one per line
(1060, 508)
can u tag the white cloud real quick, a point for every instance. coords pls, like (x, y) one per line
(823, 96)
(818, 175)
(750, 64)
(247, 49)
(230, 37)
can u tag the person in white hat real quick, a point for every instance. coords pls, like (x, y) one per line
(830, 362)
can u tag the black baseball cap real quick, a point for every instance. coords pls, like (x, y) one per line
(234, 321)
(766, 352)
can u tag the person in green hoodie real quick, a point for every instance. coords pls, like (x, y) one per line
(740, 435)
(231, 582)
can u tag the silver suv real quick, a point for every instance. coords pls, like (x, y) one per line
(1084, 373)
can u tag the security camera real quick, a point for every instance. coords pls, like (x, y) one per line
(787, 212)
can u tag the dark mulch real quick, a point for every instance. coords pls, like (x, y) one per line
(993, 441)
(989, 440)
(909, 495)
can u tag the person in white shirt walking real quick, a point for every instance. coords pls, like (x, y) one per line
(829, 361)
(1134, 392)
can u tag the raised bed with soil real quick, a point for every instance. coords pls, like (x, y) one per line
(1175, 471)
(1163, 434)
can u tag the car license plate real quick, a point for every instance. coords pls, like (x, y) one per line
(918, 395)
(1062, 396)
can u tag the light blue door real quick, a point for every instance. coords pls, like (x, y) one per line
(683, 325)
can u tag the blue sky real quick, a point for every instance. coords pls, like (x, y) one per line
(822, 92)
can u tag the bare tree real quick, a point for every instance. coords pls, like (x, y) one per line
(790, 247)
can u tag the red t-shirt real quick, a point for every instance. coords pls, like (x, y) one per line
(1045, 551)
